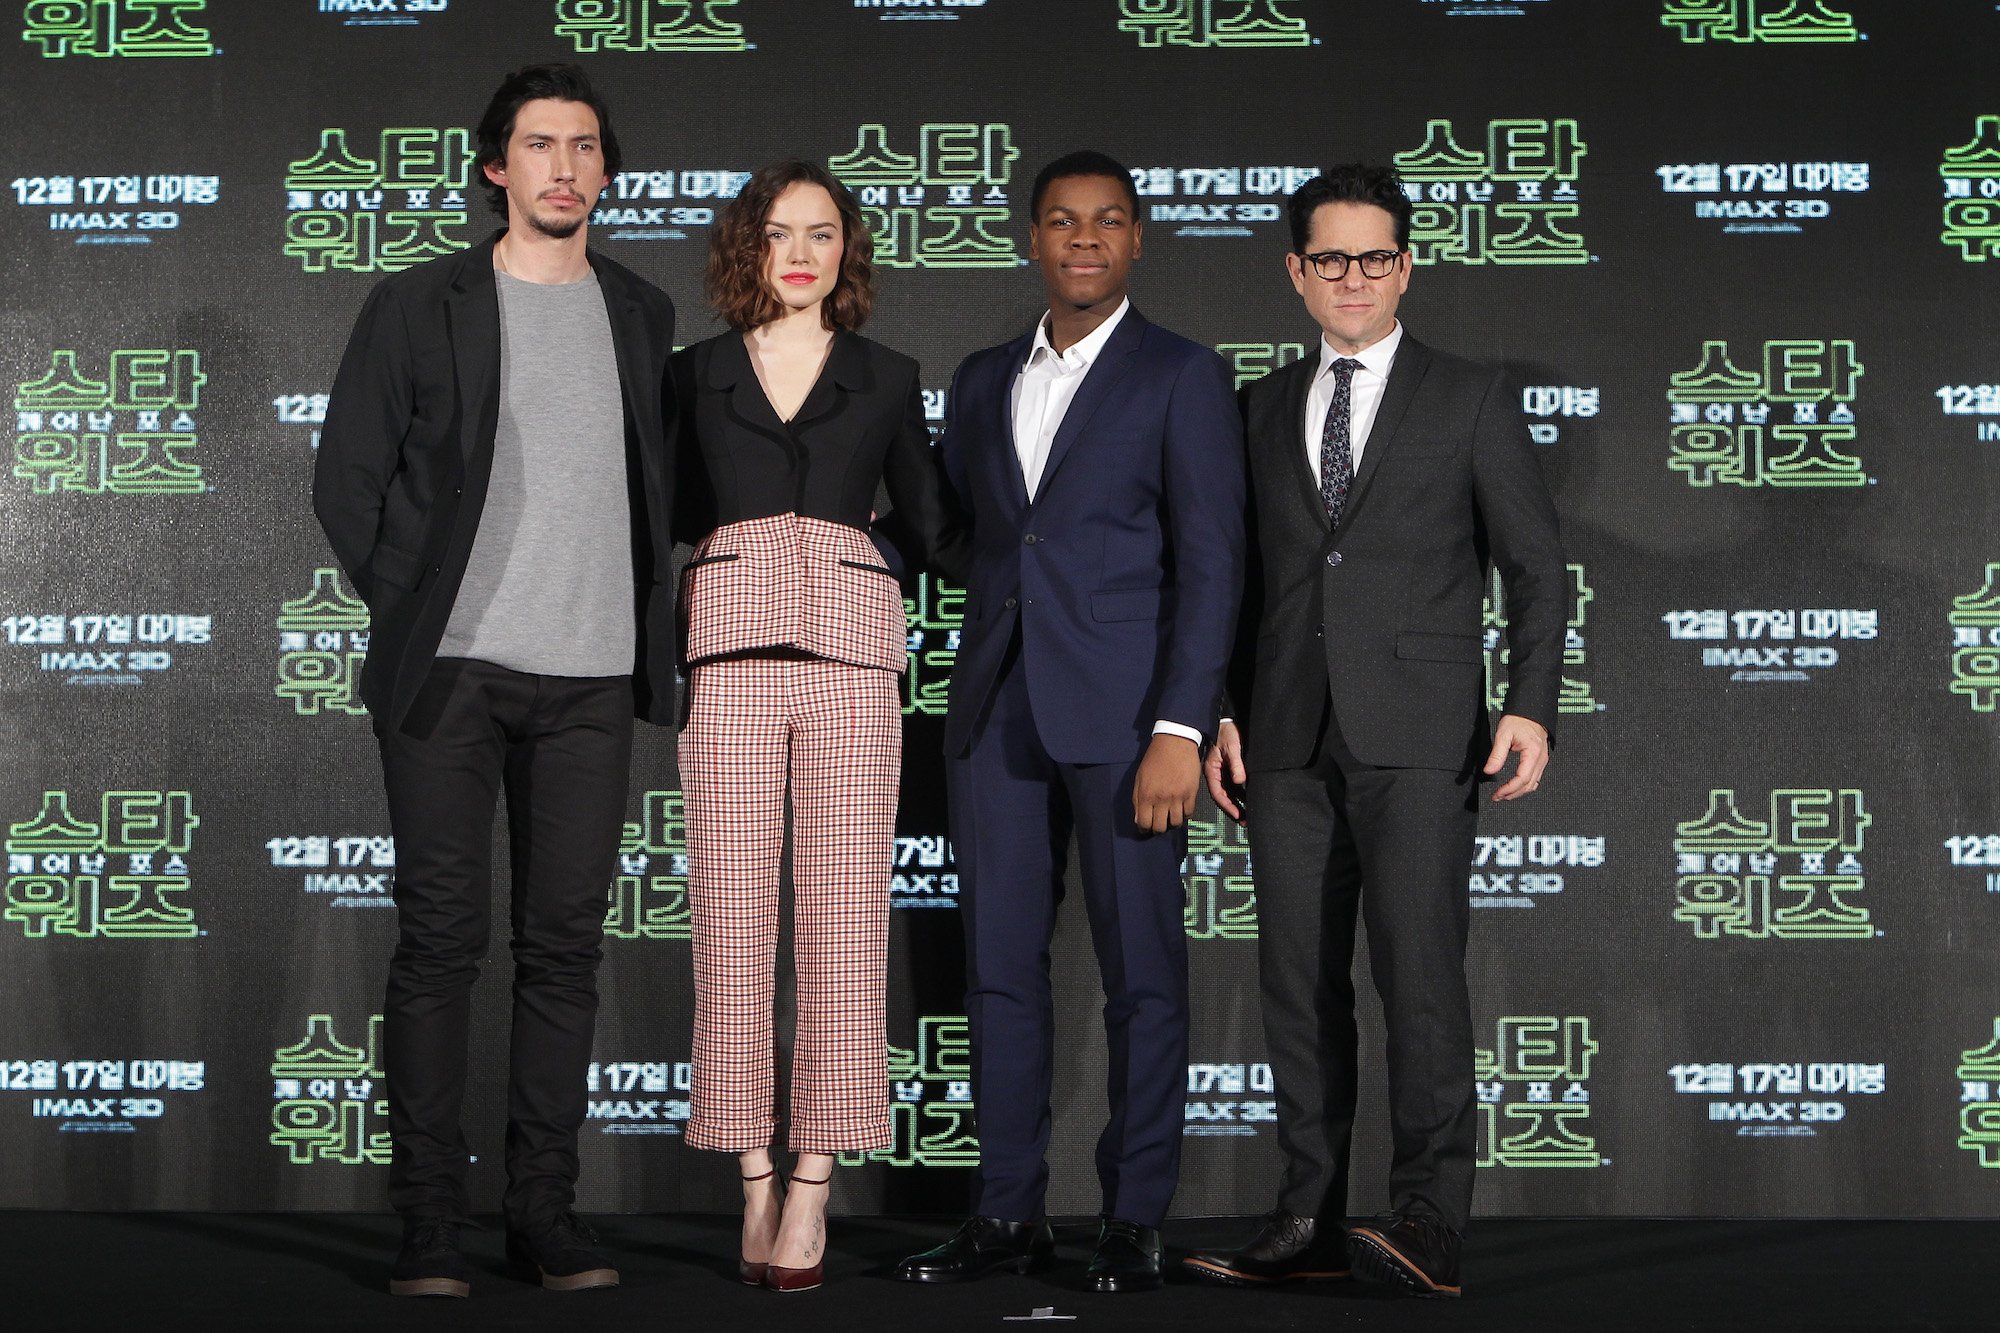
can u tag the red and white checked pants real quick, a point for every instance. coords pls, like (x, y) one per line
(835, 732)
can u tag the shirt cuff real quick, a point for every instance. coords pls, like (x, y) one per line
(1176, 729)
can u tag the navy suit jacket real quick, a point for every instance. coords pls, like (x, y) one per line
(1124, 574)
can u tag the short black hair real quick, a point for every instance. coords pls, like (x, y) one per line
(1086, 162)
(562, 83)
(1350, 183)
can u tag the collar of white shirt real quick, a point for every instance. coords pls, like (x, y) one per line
(1081, 353)
(1374, 358)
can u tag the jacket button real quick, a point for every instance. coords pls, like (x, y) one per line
(1029, 539)
(1010, 603)
(1319, 631)
(1333, 557)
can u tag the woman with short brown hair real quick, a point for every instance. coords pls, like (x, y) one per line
(795, 638)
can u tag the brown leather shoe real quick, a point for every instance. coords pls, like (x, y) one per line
(1414, 1251)
(1285, 1248)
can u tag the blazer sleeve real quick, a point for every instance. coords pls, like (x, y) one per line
(1205, 488)
(368, 414)
(1518, 516)
(949, 464)
(1240, 681)
(926, 511)
(694, 490)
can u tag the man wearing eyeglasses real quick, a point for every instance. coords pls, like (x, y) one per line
(1385, 478)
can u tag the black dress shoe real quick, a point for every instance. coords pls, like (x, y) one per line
(981, 1245)
(1414, 1251)
(562, 1252)
(429, 1264)
(1128, 1258)
(1286, 1248)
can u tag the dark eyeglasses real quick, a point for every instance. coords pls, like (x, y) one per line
(1331, 265)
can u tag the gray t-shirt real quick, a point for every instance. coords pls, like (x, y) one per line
(549, 586)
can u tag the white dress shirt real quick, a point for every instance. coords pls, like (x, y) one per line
(1043, 390)
(1365, 399)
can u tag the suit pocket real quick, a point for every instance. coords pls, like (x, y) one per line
(716, 559)
(873, 569)
(399, 567)
(1426, 647)
(427, 430)
(1136, 604)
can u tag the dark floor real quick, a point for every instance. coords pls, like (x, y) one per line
(148, 1272)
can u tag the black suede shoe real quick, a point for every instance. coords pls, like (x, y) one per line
(981, 1245)
(1128, 1258)
(1413, 1251)
(429, 1263)
(562, 1252)
(1285, 1248)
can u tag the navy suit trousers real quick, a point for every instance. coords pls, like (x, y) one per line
(1013, 812)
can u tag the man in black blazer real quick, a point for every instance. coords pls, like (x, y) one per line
(1385, 478)
(495, 477)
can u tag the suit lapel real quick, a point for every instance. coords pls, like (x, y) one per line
(845, 372)
(1013, 484)
(1406, 372)
(628, 337)
(729, 368)
(473, 312)
(1289, 433)
(1113, 361)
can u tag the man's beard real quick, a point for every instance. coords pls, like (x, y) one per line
(558, 228)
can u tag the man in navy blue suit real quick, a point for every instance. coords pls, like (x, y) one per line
(1101, 459)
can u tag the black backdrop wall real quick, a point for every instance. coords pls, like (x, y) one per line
(1742, 256)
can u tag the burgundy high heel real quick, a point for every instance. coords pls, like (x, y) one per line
(779, 1278)
(749, 1273)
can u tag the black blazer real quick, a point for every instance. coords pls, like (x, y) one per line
(781, 510)
(407, 450)
(1385, 612)
(861, 426)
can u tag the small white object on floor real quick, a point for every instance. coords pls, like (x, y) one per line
(1039, 1312)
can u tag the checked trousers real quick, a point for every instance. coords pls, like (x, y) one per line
(832, 735)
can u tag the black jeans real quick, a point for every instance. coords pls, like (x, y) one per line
(561, 748)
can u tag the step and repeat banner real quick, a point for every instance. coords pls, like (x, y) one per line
(1742, 258)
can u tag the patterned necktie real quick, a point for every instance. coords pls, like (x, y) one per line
(1336, 453)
